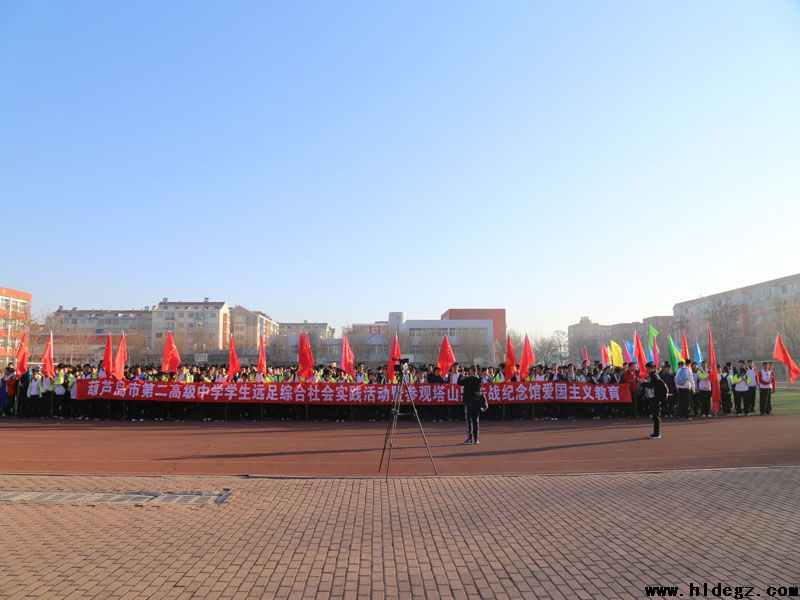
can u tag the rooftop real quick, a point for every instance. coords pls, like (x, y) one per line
(747, 288)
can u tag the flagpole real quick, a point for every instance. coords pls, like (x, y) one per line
(52, 379)
(124, 402)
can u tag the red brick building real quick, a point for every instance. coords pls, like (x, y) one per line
(15, 319)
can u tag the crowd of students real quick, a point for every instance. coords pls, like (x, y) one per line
(689, 390)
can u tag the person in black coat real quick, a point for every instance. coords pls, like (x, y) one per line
(472, 404)
(655, 392)
(435, 377)
(670, 404)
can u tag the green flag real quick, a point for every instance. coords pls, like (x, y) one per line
(674, 354)
(652, 334)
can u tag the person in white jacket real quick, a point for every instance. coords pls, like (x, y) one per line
(764, 378)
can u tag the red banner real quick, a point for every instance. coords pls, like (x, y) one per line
(348, 393)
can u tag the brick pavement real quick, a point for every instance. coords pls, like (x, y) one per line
(529, 536)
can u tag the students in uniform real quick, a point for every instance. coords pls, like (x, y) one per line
(752, 386)
(739, 382)
(704, 390)
(764, 390)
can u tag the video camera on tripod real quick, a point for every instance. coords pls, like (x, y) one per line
(400, 389)
(399, 363)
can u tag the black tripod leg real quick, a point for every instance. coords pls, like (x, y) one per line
(419, 424)
(391, 444)
(386, 441)
(425, 439)
(390, 430)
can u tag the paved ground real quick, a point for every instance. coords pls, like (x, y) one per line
(334, 449)
(584, 536)
(201, 535)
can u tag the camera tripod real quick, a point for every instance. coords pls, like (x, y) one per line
(391, 429)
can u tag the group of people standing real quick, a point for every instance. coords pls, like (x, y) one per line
(690, 389)
(687, 393)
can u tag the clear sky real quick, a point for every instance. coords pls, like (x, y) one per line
(338, 160)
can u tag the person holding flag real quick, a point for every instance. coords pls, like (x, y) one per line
(764, 377)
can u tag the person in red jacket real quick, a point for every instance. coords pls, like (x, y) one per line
(631, 377)
(765, 386)
(770, 367)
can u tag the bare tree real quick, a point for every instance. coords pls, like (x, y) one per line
(547, 349)
(279, 350)
(426, 347)
(784, 318)
(517, 340)
(787, 321)
(402, 337)
(561, 341)
(139, 351)
(724, 318)
(358, 344)
(473, 348)
(317, 348)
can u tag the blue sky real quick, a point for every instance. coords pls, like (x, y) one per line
(336, 161)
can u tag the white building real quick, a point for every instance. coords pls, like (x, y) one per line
(202, 326)
(249, 325)
(472, 340)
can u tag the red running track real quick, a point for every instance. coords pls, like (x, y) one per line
(353, 449)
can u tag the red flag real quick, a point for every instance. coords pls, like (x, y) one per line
(604, 357)
(305, 359)
(446, 357)
(120, 359)
(48, 368)
(347, 357)
(262, 356)
(685, 348)
(171, 359)
(108, 358)
(638, 354)
(713, 373)
(586, 356)
(233, 360)
(782, 354)
(526, 361)
(656, 359)
(394, 358)
(21, 356)
(511, 360)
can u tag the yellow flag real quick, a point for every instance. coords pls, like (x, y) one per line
(616, 354)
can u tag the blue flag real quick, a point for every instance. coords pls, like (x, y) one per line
(629, 347)
(650, 355)
(698, 356)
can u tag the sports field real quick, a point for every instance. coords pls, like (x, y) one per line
(542, 509)
(786, 402)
